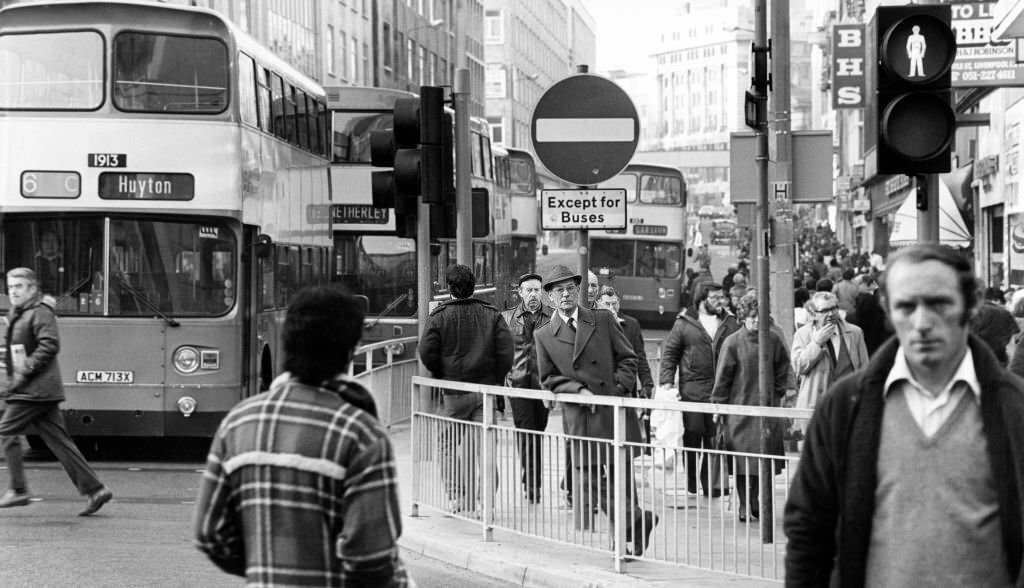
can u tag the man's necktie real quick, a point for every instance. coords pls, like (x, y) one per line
(572, 324)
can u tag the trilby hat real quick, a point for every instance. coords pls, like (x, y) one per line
(561, 273)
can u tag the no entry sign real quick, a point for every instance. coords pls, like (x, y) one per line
(585, 129)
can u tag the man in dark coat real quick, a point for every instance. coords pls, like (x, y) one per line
(608, 299)
(528, 413)
(692, 348)
(911, 470)
(465, 340)
(995, 324)
(34, 392)
(583, 351)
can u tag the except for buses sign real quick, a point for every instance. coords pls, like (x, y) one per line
(583, 209)
(585, 129)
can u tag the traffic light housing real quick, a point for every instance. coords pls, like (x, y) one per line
(443, 217)
(418, 148)
(911, 120)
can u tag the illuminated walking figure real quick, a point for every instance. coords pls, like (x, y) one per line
(916, 47)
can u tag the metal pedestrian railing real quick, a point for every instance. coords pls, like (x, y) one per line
(633, 499)
(390, 382)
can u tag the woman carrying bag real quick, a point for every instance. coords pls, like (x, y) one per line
(736, 383)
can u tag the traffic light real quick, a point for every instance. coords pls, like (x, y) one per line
(418, 149)
(443, 217)
(912, 49)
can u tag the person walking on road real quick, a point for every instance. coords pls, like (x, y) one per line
(692, 349)
(464, 340)
(527, 413)
(301, 487)
(736, 382)
(911, 471)
(34, 393)
(584, 351)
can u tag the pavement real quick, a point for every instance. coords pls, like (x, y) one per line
(527, 561)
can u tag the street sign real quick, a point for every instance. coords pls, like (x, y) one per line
(585, 129)
(812, 168)
(583, 209)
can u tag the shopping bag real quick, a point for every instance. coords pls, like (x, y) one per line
(666, 429)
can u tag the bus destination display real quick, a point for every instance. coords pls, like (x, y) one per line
(146, 186)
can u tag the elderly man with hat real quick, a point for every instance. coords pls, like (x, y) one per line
(584, 351)
(528, 413)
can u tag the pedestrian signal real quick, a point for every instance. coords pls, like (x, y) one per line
(911, 49)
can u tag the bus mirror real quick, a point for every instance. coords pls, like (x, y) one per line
(435, 249)
(263, 246)
(365, 302)
(689, 252)
(544, 249)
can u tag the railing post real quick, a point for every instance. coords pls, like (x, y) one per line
(619, 492)
(413, 446)
(487, 467)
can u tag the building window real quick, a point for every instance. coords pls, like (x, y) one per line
(423, 64)
(353, 58)
(497, 129)
(343, 45)
(386, 36)
(494, 30)
(410, 59)
(329, 49)
(366, 64)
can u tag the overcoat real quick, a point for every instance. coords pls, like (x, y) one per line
(810, 363)
(34, 326)
(736, 382)
(597, 357)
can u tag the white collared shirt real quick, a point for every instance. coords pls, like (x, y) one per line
(930, 412)
(575, 316)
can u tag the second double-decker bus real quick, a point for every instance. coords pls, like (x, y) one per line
(644, 261)
(525, 210)
(160, 172)
(370, 258)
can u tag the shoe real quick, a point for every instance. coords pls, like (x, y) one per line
(742, 515)
(12, 498)
(96, 501)
(644, 523)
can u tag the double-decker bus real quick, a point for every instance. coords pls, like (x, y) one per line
(370, 258)
(644, 262)
(525, 210)
(162, 173)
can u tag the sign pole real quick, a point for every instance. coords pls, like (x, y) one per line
(764, 364)
(463, 189)
(928, 208)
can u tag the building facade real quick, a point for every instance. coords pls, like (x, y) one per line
(530, 46)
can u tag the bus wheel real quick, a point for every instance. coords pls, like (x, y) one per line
(266, 372)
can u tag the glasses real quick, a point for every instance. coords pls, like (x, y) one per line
(827, 310)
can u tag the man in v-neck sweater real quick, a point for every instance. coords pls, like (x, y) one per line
(909, 472)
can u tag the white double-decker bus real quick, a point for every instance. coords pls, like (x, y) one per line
(167, 179)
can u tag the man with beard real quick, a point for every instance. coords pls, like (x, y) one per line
(692, 348)
(528, 413)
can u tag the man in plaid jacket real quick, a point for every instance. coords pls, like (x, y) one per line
(300, 487)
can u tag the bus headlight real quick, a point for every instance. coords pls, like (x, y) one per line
(186, 359)
(187, 406)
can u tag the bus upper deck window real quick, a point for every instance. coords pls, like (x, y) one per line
(169, 73)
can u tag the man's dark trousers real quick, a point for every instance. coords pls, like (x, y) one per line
(531, 415)
(49, 423)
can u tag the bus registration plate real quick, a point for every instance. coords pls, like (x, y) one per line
(105, 377)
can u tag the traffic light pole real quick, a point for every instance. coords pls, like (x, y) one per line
(764, 365)
(928, 208)
(781, 205)
(463, 189)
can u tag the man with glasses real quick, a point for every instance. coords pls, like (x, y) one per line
(584, 351)
(825, 349)
(692, 348)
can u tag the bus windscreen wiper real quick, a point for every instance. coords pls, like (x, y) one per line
(145, 301)
(387, 309)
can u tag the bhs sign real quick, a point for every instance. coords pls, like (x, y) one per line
(848, 66)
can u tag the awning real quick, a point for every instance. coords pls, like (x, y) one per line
(1009, 20)
(952, 228)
